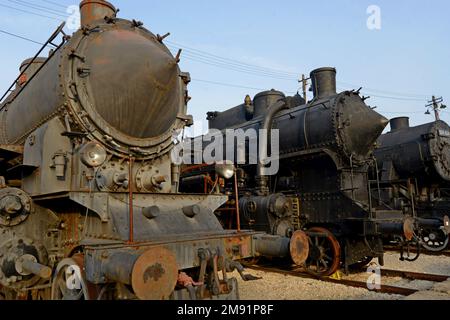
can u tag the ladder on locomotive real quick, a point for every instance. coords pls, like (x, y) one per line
(296, 212)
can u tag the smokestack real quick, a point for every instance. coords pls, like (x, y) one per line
(323, 82)
(92, 10)
(399, 123)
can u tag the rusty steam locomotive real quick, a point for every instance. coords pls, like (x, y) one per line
(89, 201)
(413, 172)
(326, 148)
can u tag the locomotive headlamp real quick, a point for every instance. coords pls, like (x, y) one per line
(225, 169)
(93, 154)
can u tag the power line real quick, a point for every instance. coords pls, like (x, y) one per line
(235, 69)
(38, 7)
(368, 92)
(54, 3)
(219, 65)
(232, 61)
(396, 98)
(20, 37)
(410, 95)
(225, 62)
(235, 65)
(405, 112)
(29, 12)
(233, 85)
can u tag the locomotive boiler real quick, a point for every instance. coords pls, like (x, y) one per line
(89, 201)
(413, 170)
(322, 186)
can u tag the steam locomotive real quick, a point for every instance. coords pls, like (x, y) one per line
(325, 151)
(89, 201)
(413, 172)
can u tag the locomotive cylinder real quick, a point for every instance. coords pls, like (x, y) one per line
(273, 246)
(296, 247)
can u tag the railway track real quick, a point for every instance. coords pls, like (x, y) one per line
(445, 253)
(388, 289)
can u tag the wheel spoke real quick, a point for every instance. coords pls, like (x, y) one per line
(62, 286)
(324, 263)
(327, 257)
(322, 243)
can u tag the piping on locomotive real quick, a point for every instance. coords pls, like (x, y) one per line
(89, 201)
(413, 174)
(322, 187)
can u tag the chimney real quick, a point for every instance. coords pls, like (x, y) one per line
(323, 82)
(92, 10)
(399, 123)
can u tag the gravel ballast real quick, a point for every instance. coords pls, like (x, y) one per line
(274, 286)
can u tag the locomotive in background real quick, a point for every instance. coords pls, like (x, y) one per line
(326, 148)
(413, 174)
(89, 201)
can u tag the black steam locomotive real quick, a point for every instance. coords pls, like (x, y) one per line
(89, 201)
(413, 175)
(323, 187)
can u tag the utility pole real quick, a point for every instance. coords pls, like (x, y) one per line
(304, 83)
(436, 105)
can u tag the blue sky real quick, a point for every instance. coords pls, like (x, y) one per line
(407, 60)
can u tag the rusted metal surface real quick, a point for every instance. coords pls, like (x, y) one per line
(414, 275)
(409, 228)
(185, 281)
(94, 10)
(31, 266)
(152, 91)
(130, 201)
(121, 110)
(325, 253)
(29, 67)
(89, 136)
(155, 274)
(82, 289)
(299, 247)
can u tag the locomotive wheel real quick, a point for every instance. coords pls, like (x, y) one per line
(434, 240)
(69, 282)
(324, 253)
